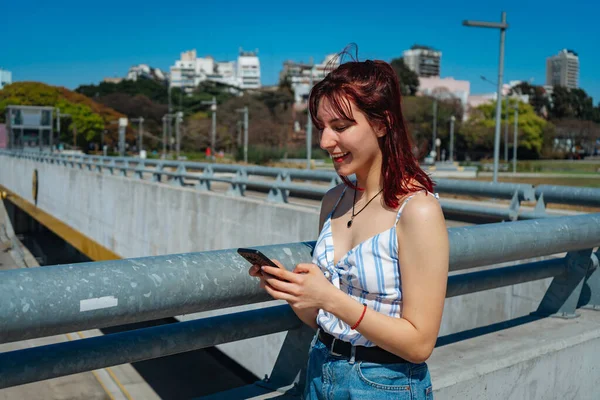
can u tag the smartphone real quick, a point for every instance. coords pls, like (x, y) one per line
(254, 256)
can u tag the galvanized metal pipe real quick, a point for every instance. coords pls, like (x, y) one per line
(51, 361)
(46, 301)
(581, 196)
(486, 189)
(499, 277)
(489, 244)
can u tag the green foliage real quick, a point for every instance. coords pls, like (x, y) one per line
(89, 118)
(571, 104)
(409, 80)
(154, 90)
(478, 132)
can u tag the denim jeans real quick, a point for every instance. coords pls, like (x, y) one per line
(335, 378)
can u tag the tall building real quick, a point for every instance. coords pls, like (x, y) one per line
(563, 69)
(5, 78)
(248, 70)
(190, 70)
(423, 60)
(298, 75)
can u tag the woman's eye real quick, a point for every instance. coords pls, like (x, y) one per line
(340, 128)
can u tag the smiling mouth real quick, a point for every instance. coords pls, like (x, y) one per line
(339, 157)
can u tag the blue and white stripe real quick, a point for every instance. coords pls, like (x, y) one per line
(369, 273)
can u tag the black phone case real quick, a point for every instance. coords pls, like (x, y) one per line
(254, 256)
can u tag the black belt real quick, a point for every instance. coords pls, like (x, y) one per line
(375, 354)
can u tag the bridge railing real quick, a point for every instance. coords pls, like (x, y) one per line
(59, 299)
(286, 182)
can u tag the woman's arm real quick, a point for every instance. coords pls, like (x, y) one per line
(308, 315)
(423, 256)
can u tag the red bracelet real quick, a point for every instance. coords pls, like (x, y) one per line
(360, 319)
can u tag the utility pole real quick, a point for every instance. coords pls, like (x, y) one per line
(245, 112)
(164, 136)
(451, 152)
(433, 152)
(170, 122)
(178, 120)
(515, 136)
(140, 122)
(309, 123)
(506, 131)
(213, 134)
(502, 26)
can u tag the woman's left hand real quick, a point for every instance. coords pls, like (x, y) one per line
(306, 287)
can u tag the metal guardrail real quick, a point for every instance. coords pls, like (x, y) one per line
(64, 298)
(282, 185)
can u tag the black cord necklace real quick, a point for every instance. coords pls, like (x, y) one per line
(359, 211)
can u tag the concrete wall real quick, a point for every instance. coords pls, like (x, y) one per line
(139, 218)
(548, 359)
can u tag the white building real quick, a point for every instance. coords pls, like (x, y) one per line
(423, 60)
(445, 88)
(298, 75)
(563, 69)
(144, 71)
(190, 70)
(248, 70)
(5, 78)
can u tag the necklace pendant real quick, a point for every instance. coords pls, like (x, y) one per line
(349, 224)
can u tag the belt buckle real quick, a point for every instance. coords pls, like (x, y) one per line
(333, 353)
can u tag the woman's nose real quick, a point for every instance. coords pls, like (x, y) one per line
(328, 139)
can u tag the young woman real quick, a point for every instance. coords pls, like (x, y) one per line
(376, 288)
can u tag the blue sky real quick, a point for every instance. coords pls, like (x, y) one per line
(69, 43)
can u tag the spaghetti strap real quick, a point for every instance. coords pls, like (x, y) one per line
(435, 195)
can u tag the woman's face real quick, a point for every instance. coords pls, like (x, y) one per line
(352, 144)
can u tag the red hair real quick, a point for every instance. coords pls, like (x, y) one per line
(374, 88)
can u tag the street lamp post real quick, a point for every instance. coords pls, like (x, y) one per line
(213, 133)
(515, 135)
(433, 141)
(164, 136)
(451, 156)
(178, 120)
(502, 26)
(245, 112)
(309, 124)
(140, 122)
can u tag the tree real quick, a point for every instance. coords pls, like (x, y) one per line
(90, 118)
(478, 132)
(418, 113)
(538, 97)
(571, 103)
(409, 80)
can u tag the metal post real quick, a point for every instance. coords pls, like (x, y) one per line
(506, 131)
(141, 140)
(309, 126)
(451, 156)
(164, 135)
(74, 136)
(434, 127)
(499, 99)
(178, 134)
(246, 134)
(214, 124)
(515, 136)
(170, 122)
(502, 26)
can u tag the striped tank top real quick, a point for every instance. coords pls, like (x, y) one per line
(369, 273)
